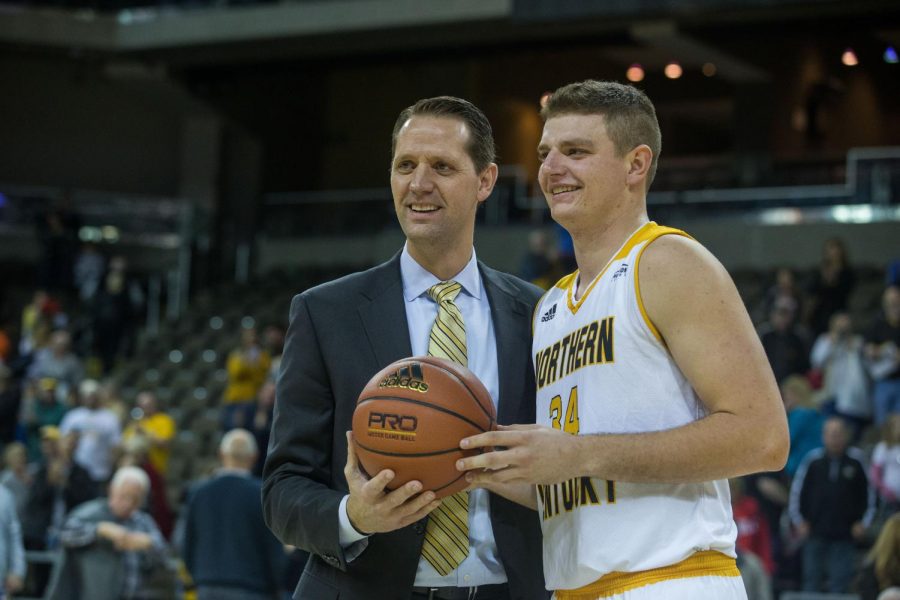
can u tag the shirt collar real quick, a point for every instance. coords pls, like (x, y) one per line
(417, 279)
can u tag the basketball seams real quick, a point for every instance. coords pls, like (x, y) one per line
(433, 489)
(405, 454)
(463, 383)
(426, 405)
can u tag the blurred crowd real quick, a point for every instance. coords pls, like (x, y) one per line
(84, 508)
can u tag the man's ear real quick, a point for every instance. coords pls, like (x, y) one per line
(639, 161)
(486, 181)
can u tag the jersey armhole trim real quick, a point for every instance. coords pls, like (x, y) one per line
(637, 280)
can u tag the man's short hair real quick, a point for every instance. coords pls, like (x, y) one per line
(480, 146)
(892, 593)
(239, 444)
(134, 474)
(628, 113)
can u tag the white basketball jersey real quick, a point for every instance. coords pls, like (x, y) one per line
(601, 367)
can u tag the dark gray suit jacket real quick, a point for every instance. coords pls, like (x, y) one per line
(341, 334)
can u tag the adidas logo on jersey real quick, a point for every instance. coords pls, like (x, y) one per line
(622, 271)
(547, 316)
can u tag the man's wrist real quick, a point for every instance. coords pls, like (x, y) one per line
(347, 532)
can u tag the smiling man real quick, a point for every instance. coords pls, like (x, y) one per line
(366, 542)
(652, 386)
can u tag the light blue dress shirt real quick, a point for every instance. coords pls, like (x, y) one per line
(482, 566)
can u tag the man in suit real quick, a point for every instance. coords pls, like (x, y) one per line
(366, 542)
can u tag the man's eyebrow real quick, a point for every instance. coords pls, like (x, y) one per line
(569, 142)
(578, 142)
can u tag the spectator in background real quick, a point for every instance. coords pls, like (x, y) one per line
(6, 345)
(838, 353)
(892, 273)
(110, 544)
(881, 569)
(248, 366)
(39, 319)
(99, 432)
(883, 353)
(885, 468)
(32, 326)
(57, 361)
(57, 230)
(537, 265)
(262, 423)
(12, 552)
(228, 549)
(273, 342)
(804, 420)
(753, 528)
(785, 286)
(831, 285)
(831, 505)
(59, 486)
(42, 407)
(17, 476)
(785, 343)
(89, 269)
(115, 311)
(10, 403)
(134, 454)
(155, 426)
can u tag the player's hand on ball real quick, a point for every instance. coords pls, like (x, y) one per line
(531, 454)
(373, 509)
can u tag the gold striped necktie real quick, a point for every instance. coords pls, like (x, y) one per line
(447, 533)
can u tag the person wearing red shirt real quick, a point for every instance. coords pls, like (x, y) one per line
(753, 529)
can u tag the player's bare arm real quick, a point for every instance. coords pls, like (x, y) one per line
(374, 509)
(695, 306)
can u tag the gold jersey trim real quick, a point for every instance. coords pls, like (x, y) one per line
(636, 238)
(654, 235)
(707, 563)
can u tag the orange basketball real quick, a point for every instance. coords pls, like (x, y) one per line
(411, 416)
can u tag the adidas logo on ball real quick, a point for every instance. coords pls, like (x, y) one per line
(411, 378)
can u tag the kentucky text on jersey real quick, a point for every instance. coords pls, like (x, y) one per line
(571, 494)
(589, 345)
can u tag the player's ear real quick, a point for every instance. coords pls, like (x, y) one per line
(486, 181)
(639, 161)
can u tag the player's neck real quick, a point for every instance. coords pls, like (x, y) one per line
(442, 262)
(595, 246)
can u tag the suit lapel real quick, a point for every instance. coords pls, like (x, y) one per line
(511, 322)
(383, 316)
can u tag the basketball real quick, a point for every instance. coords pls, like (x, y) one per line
(411, 416)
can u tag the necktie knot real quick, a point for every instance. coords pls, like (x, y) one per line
(445, 291)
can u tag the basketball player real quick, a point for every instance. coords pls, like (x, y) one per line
(652, 386)
(367, 543)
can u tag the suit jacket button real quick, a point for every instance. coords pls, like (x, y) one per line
(419, 528)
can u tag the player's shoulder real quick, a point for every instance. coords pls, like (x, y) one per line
(676, 257)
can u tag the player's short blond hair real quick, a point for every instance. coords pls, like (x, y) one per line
(629, 114)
